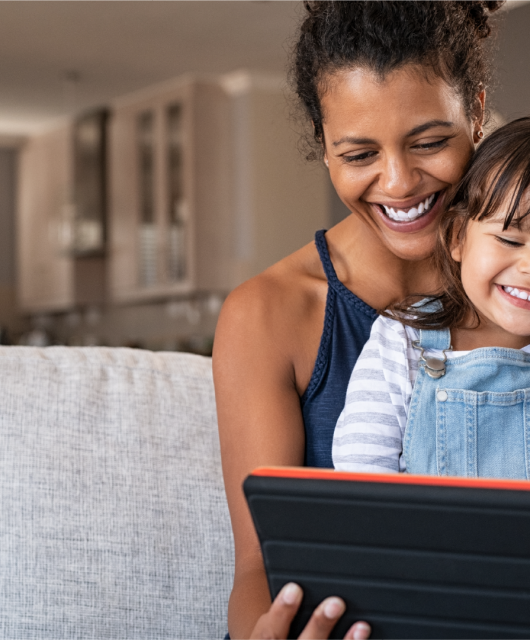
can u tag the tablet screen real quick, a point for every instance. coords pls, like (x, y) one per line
(415, 556)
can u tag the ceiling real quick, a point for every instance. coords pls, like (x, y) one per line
(57, 58)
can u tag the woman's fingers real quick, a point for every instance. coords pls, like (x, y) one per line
(276, 622)
(358, 631)
(324, 618)
(274, 625)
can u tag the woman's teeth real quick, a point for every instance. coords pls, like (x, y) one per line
(513, 291)
(411, 214)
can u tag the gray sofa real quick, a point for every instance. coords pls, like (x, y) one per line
(113, 519)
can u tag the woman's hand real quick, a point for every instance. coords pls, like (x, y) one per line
(276, 622)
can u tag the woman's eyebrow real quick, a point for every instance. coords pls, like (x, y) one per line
(352, 140)
(429, 125)
(413, 132)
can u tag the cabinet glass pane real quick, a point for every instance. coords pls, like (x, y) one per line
(177, 237)
(147, 258)
(88, 231)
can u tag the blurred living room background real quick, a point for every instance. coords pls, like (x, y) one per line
(150, 162)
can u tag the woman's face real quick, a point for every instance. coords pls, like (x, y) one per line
(393, 148)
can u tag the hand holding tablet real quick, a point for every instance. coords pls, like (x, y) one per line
(277, 621)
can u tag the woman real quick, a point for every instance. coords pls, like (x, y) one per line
(395, 92)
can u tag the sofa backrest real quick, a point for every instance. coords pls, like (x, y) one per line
(113, 518)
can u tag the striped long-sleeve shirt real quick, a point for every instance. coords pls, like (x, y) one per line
(369, 432)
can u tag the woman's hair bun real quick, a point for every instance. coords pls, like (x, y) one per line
(315, 6)
(479, 12)
(494, 5)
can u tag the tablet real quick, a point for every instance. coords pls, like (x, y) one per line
(415, 556)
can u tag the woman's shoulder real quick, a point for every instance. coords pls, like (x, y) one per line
(287, 289)
(277, 317)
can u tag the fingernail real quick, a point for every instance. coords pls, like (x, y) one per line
(333, 608)
(291, 593)
(360, 630)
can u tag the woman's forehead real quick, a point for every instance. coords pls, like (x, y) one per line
(360, 100)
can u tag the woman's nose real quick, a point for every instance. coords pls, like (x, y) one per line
(398, 178)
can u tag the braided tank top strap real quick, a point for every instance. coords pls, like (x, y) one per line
(323, 252)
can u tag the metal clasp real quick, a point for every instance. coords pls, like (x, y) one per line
(434, 367)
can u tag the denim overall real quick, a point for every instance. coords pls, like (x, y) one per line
(474, 419)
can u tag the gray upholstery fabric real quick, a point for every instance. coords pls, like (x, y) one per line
(113, 519)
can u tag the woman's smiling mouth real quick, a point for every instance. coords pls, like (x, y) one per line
(412, 213)
(409, 219)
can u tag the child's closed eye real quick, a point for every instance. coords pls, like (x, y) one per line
(509, 242)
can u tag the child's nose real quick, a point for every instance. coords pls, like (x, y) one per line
(524, 261)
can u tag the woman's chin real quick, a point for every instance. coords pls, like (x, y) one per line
(413, 248)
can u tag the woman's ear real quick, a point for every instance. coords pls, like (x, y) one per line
(481, 106)
(478, 116)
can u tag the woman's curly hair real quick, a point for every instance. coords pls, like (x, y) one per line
(383, 35)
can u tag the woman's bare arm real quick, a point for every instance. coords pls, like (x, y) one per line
(265, 348)
(260, 423)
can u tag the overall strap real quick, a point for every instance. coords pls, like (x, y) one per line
(435, 339)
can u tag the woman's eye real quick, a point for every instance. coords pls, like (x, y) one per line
(367, 155)
(509, 243)
(432, 145)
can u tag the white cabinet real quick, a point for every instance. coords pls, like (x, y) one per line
(169, 191)
(208, 187)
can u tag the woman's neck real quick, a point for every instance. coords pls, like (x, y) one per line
(376, 275)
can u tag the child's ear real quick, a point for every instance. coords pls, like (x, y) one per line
(457, 242)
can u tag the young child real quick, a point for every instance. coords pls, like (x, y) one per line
(442, 387)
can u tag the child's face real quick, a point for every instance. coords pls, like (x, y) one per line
(496, 276)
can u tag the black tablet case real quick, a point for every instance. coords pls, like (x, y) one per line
(416, 557)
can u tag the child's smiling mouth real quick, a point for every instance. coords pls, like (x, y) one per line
(518, 296)
(517, 293)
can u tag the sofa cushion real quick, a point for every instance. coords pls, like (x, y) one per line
(113, 519)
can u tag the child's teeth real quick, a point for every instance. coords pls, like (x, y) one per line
(514, 292)
(412, 213)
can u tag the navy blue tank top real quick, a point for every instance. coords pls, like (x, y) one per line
(347, 325)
